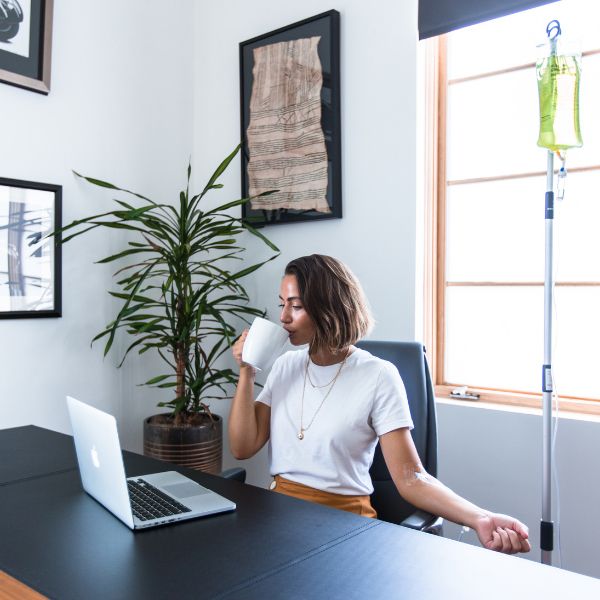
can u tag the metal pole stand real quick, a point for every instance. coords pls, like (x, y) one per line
(547, 526)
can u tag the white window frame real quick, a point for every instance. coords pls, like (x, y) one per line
(436, 86)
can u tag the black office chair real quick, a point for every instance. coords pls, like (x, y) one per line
(235, 474)
(409, 359)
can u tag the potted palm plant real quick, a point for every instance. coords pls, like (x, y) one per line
(179, 298)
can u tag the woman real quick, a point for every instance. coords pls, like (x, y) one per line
(324, 409)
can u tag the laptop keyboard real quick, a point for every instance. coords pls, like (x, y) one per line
(148, 502)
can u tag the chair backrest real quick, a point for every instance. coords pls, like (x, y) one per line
(409, 359)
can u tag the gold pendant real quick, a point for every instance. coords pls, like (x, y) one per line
(301, 435)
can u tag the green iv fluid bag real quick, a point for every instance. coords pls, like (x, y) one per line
(558, 88)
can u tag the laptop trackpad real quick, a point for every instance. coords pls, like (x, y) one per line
(185, 489)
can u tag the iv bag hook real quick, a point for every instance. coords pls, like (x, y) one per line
(553, 30)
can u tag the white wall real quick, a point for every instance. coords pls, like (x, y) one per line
(493, 455)
(120, 108)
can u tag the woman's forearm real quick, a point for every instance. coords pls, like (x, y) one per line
(427, 493)
(243, 425)
(419, 488)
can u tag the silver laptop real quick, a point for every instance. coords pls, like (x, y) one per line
(140, 502)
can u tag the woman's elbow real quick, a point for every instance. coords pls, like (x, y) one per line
(236, 451)
(239, 452)
(239, 455)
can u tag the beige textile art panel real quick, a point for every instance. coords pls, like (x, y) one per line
(286, 144)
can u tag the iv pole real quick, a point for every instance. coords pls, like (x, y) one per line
(547, 526)
(572, 139)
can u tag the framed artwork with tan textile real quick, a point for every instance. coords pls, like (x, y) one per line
(290, 122)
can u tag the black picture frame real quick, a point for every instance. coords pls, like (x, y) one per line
(327, 26)
(30, 261)
(26, 43)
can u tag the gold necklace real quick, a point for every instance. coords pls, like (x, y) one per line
(332, 382)
(314, 385)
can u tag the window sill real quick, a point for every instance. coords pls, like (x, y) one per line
(575, 408)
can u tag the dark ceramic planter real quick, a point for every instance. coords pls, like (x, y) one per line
(196, 446)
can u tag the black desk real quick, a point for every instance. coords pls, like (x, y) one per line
(27, 452)
(57, 540)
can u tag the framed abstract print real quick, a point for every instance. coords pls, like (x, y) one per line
(30, 261)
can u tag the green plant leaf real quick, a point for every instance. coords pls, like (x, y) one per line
(123, 312)
(223, 207)
(106, 184)
(259, 235)
(123, 254)
(157, 379)
(220, 169)
(252, 268)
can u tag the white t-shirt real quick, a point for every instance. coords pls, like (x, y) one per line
(367, 400)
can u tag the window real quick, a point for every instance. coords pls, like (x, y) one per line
(487, 324)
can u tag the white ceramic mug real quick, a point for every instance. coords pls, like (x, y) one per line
(264, 344)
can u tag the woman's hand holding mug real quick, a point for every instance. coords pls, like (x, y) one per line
(260, 346)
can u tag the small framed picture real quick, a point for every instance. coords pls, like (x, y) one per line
(30, 261)
(26, 43)
(290, 122)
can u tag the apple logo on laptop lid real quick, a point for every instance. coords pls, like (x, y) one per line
(95, 458)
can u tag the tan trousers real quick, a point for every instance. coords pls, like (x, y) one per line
(360, 505)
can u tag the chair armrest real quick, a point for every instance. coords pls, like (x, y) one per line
(236, 473)
(424, 521)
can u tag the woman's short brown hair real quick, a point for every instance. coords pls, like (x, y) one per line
(333, 298)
